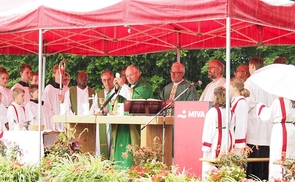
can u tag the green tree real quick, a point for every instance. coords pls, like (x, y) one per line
(155, 67)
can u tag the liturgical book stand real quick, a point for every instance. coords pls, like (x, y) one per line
(154, 129)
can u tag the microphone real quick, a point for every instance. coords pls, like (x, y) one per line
(199, 82)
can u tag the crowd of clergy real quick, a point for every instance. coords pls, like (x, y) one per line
(253, 119)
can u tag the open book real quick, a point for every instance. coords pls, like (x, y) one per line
(143, 106)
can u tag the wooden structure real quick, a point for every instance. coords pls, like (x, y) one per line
(263, 159)
(154, 129)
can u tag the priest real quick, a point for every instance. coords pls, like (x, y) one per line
(124, 134)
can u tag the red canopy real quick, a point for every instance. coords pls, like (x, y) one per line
(126, 27)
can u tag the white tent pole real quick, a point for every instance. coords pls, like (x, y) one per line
(43, 71)
(39, 90)
(227, 68)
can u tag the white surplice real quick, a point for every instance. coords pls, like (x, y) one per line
(15, 115)
(210, 137)
(208, 92)
(50, 97)
(240, 108)
(258, 133)
(273, 114)
(27, 92)
(3, 117)
(7, 98)
(82, 98)
(46, 114)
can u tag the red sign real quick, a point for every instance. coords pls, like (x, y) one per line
(189, 117)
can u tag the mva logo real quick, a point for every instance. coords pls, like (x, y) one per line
(191, 114)
(196, 114)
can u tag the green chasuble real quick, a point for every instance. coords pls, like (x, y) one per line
(189, 95)
(125, 134)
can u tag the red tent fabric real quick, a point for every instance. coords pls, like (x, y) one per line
(126, 27)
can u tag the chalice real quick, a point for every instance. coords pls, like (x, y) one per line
(101, 101)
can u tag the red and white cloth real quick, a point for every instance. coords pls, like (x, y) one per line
(282, 115)
(216, 139)
(240, 109)
(15, 115)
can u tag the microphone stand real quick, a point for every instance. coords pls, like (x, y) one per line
(164, 109)
(108, 100)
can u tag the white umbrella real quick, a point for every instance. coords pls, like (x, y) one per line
(276, 79)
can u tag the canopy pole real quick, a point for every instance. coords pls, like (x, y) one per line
(178, 50)
(43, 72)
(44, 61)
(39, 90)
(227, 55)
(178, 55)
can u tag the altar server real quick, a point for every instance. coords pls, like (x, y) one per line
(32, 109)
(240, 108)
(3, 116)
(216, 138)
(25, 72)
(54, 96)
(16, 111)
(282, 143)
(7, 98)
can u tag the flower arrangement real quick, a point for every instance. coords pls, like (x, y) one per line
(65, 144)
(148, 165)
(289, 165)
(236, 156)
(230, 166)
(141, 156)
(233, 172)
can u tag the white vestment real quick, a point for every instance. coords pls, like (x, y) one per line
(50, 97)
(15, 115)
(208, 93)
(240, 108)
(46, 114)
(7, 98)
(210, 137)
(258, 133)
(82, 99)
(27, 93)
(273, 114)
(3, 117)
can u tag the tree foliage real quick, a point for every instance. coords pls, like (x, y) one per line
(155, 67)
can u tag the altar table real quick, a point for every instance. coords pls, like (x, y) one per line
(155, 128)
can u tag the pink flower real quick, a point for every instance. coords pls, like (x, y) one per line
(129, 147)
(125, 155)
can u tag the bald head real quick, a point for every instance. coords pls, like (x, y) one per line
(242, 72)
(132, 74)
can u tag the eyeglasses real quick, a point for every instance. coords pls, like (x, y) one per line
(211, 67)
(175, 73)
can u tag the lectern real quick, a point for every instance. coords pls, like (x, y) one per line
(188, 130)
